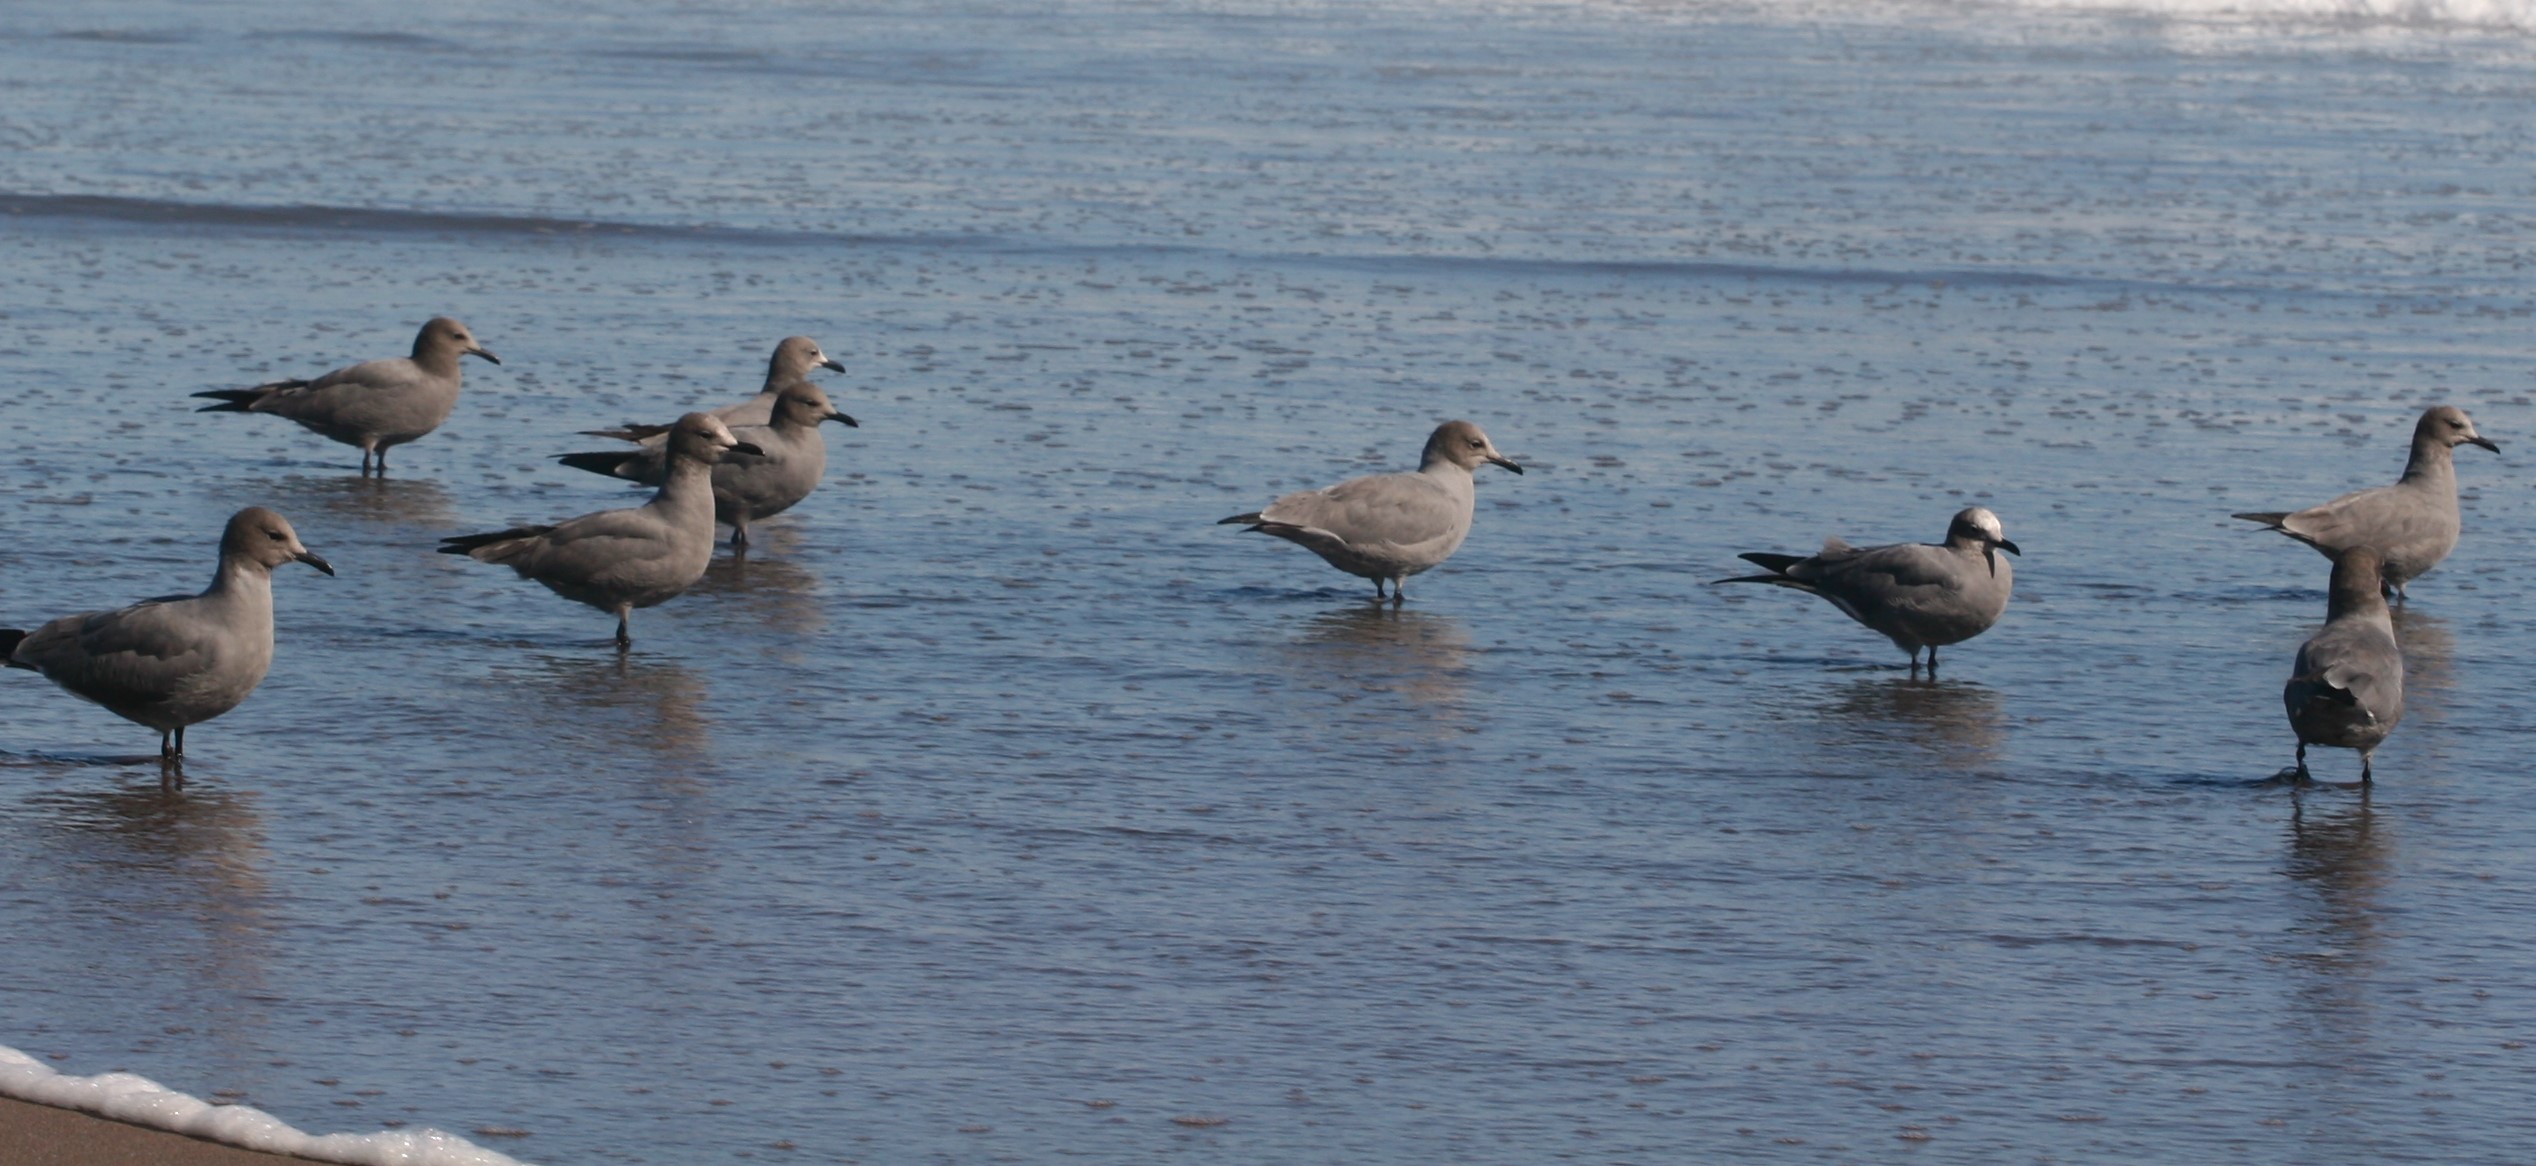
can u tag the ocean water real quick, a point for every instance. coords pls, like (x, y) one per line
(1000, 807)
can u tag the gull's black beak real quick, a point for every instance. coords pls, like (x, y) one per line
(485, 353)
(314, 560)
(832, 365)
(745, 447)
(2009, 547)
(1508, 463)
(850, 423)
(2485, 442)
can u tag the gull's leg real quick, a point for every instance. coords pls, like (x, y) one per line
(624, 636)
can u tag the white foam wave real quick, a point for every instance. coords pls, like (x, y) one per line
(131, 1098)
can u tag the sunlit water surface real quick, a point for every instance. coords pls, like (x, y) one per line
(1000, 807)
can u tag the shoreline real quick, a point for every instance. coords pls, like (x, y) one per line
(114, 1118)
(34, 1134)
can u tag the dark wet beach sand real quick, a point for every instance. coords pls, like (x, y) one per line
(42, 1135)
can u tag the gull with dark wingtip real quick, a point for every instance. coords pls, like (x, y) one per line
(2412, 524)
(795, 358)
(177, 660)
(1918, 594)
(745, 488)
(377, 404)
(1389, 526)
(619, 560)
(2346, 689)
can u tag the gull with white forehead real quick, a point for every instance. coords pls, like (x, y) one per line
(1389, 526)
(1919, 595)
(619, 560)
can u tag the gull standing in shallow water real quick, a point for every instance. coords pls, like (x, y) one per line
(1389, 526)
(796, 357)
(2347, 687)
(1919, 595)
(376, 404)
(746, 488)
(619, 560)
(177, 660)
(2412, 524)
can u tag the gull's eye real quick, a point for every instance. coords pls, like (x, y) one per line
(275, 535)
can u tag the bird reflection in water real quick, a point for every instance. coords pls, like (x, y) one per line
(2337, 851)
(773, 590)
(415, 502)
(1956, 722)
(2429, 648)
(183, 876)
(1365, 649)
(615, 705)
(643, 725)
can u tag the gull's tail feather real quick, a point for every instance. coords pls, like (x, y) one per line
(608, 463)
(243, 400)
(1778, 565)
(492, 547)
(630, 431)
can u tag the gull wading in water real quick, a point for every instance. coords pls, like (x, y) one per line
(746, 488)
(619, 560)
(796, 357)
(377, 404)
(1389, 526)
(2412, 524)
(2346, 689)
(1919, 595)
(178, 660)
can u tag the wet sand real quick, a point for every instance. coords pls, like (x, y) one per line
(41, 1135)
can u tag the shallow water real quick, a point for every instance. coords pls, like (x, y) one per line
(1000, 807)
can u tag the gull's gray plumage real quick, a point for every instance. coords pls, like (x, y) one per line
(619, 560)
(795, 358)
(2347, 687)
(1919, 595)
(181, 659)
(2412, 524)
(746, 488)
(376, 404)
(1389, 526)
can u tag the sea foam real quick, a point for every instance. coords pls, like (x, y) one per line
(131, 1098)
